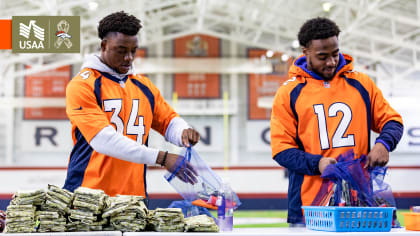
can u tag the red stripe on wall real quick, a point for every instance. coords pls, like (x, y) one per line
(164, 196)
(242, 195)
(6, 196)
(406, 194)
(262, 195)
(404, 167)
(153, 168)
(280, 167)
(13, 168)
(269, 195)
(235, 168)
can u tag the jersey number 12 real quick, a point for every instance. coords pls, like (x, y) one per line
(338, 139)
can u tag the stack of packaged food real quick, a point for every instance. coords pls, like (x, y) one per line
(31, 197)
(21, 211)
(57, 200)
(50, 221)
(52, 214)
(201, 223)
(167, 220)
(126, 213)
(20, 219)
(88, 205)
(59, 210)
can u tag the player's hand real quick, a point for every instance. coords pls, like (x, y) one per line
(378, 156)
(190, 137)
(186, 172)
(324, 162)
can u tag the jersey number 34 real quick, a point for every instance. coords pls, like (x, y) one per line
(114, 105)
(338, 139)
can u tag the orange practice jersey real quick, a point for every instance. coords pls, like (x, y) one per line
(327, 118)
(95, 100)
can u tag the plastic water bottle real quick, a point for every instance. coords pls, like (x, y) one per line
(225, 209)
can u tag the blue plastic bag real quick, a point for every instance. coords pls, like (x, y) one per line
(367, 183)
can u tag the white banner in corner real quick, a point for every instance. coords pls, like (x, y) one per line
(258, 136)
(41, 136)
(410, 141)
(211, 134)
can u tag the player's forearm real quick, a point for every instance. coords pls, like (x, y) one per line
(390, 135)
(299, 161)
(111, 143)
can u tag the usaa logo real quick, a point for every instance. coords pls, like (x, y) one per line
(38, 33)
(46, 34)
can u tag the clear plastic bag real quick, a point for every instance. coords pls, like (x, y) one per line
(382, 192)
(188, 209)
(208, 183)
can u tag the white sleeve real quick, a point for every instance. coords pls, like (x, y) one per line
(111, 143)
(173, 133)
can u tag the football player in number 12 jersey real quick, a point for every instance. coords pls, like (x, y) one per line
(324, 110)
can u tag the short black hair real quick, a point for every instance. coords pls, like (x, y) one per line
(317, 28)
(118, 22)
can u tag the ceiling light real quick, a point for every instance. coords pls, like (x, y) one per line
(254, 14)
(326, 6)
(284, 57)
(295, 44)
(93, 5)
(269, 53)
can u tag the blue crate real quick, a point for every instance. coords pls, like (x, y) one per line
(348, 219)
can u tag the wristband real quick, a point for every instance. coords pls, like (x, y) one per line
(164, 159)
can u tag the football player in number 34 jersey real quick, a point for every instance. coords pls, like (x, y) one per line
(112, 110)
(322, 111)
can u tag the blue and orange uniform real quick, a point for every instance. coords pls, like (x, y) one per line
(131, 105)
(312, 118)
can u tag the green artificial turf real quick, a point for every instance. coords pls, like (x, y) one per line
(400, 217)
(275, 225)
(261, 214)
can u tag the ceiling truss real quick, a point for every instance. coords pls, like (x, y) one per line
(377, 33)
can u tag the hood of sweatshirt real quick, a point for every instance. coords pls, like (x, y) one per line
(299, 67)
(94, 62)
